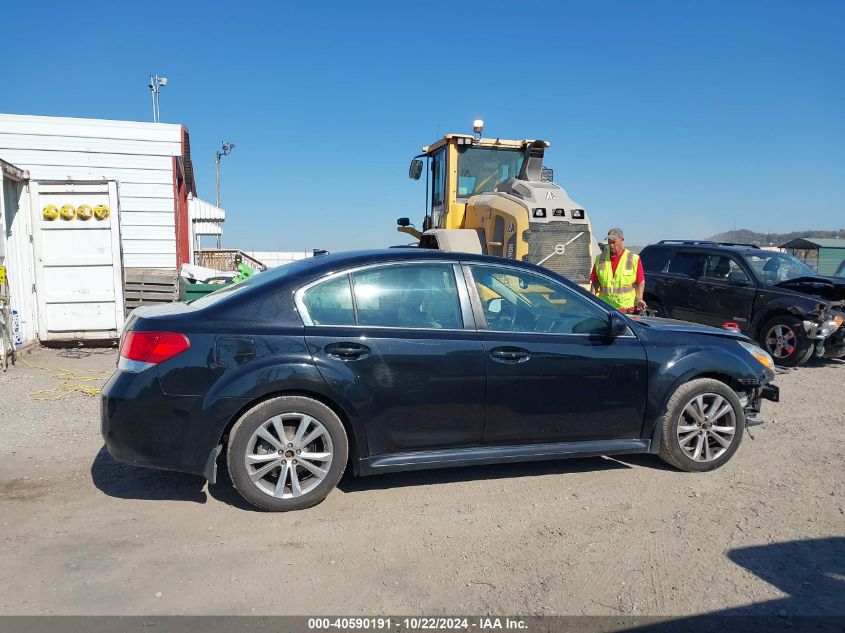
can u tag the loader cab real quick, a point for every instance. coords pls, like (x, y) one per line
(461, 166)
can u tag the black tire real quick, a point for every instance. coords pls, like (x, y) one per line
(811, 351)
(794, 350)
(240, 439)
(670, 444)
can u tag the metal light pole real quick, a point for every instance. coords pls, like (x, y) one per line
(225, 151)
(155, 86)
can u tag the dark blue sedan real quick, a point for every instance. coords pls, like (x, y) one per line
(408, 359)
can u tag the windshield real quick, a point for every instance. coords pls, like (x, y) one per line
(480, 169)
(773, 268)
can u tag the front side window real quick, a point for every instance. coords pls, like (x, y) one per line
(480, 169)
(411, 296)
(330, 303)
(722, 268)
(438, 186)
(519, 301)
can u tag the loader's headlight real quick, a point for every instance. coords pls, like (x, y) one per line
(577, 214)
(759, 353)
(539, 213)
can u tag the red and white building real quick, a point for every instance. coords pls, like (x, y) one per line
(73, 276)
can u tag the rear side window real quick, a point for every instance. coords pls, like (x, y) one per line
(330, 303)
(412, 296)
(686, 264)
(654, 258)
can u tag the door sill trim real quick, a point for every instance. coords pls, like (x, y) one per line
(477, 455)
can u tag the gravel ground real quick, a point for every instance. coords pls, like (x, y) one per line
(82, 534)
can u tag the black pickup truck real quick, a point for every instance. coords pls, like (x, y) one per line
(771, 297)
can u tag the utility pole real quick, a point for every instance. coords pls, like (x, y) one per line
(155, 86)
(224, 151)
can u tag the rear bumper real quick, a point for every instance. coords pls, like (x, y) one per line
(142, 426)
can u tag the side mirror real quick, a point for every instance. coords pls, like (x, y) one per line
(617, 326)
(738, 278)
(415, 170)
(403, 222)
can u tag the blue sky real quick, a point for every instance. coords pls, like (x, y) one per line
(670, 119)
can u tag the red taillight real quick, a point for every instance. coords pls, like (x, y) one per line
(153, 347)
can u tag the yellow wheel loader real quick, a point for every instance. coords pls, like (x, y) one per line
(493, 196)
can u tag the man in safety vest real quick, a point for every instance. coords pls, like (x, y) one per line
(618, 276)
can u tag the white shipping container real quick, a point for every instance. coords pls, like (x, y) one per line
(76, 277)
(78, 270)
(140, 157)
(16, 251)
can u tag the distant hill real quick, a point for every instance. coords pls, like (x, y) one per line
(744, 236)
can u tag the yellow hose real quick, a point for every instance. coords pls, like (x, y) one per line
(70, 382)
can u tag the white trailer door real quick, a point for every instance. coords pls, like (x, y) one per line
(78, 272)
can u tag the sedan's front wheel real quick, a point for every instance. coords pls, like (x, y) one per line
(287, 453)
(702, 426)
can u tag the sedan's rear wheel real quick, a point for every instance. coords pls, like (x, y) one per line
(287, 453)
(702, 426)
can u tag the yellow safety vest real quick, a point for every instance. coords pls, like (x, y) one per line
(618, 289)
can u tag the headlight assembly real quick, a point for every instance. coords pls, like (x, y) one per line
(830, 326)
(759, 353)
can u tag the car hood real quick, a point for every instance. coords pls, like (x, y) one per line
(673, 325)
(828, 288)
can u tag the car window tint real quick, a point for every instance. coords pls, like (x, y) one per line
(686, 264)
(516, 301)
(654, 258)
(720, 268)
(330, 303)
(410, 296)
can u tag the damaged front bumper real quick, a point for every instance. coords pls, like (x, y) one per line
(753, 399)
(828, 336)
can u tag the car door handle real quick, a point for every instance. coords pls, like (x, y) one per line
(509, 354)
(347, 351)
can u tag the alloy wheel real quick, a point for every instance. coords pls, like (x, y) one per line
(781, 341)
(707, 427)
(289, 455)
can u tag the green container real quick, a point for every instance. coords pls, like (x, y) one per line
(189, 291)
